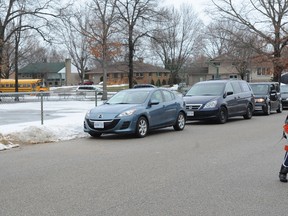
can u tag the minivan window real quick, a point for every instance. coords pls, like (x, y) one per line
(229, 88)
(245, 87)
(236, 87)
(206, 89)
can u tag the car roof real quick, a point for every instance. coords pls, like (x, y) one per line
(268, 83)
(220, 81)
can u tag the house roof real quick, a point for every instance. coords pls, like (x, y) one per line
(197, 70)
(43, 67)
(122, 67)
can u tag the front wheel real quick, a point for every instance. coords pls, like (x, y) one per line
(249, 112)
(141, 127)
(223, 115)
(180, 122)
(268, 109)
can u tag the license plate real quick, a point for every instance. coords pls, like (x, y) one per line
(99, 124)
(190, 113)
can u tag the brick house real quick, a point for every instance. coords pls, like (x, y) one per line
(117, 73)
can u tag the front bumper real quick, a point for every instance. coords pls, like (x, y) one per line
(119, 125)
(260, 107)
(284, 102)
(202, 114)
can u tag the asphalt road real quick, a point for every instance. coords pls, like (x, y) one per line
(207, 169)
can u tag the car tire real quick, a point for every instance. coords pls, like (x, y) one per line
(222, 116)
(95, 134)
(249, 112)
(268, 109)
(180, 122)
(280, 108)
(141, 127)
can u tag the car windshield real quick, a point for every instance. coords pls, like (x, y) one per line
(206, 89)
(129, 97)
(284, 88)
(260, 88)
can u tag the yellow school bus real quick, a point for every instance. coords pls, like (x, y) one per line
(24, 85)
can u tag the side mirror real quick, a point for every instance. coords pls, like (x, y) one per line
(154, 102)
(227, 93)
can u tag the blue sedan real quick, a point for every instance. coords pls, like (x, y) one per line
(136, 111)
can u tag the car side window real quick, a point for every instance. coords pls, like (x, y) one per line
(228, 88)
(236, 87)
(168, 96)
(157, 96)
(245, 87)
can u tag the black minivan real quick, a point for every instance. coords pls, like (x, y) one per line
(219, 100)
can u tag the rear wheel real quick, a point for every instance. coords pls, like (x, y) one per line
(249, 112)
(141, 127)
(180, 122)
(223, 115)
(95, 134)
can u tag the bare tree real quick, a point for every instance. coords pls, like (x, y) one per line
(101, 33)
(135, 16)
(71, 34)
(266, 19)
(234, 41)
(34, 15)
(177, 39)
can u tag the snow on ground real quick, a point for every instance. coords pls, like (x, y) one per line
(65, 121)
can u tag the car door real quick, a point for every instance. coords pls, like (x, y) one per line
(273, 96)
(170, 107)
(231, 99)
(156, 110)
(240, 97)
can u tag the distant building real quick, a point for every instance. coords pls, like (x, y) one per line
(260, 69)
(117, 73)
(53, 74)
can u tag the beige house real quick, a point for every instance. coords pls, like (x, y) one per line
(260, 69)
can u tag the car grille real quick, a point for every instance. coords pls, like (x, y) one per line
(108, 124)
(193, 106)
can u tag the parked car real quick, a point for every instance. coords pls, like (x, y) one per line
(284, 95)
(219, 100)
(136, 111)
(267, 97)
(144, 86)
(89, 88)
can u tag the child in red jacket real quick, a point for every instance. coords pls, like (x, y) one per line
(284, 167)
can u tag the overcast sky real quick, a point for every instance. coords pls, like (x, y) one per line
(198, 6)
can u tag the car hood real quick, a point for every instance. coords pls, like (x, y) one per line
(108, 111)
(260, 96)
(199, 99)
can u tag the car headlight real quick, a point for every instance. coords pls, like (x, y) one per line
(211, 104)
(127, 113)
(260, 100)
(88, 114)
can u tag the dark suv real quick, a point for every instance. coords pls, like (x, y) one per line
(219, 100)
(267, 97)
